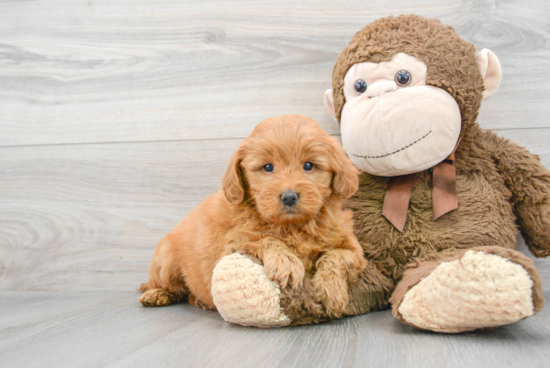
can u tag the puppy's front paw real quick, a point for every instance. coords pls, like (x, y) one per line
(333, 293)
(284, 268)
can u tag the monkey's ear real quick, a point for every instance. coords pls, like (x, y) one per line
(232, 183)
(329, 103)
(490, 69)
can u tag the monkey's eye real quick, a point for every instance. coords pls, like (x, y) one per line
(403, 78)
(360, 86)
(308, 166)
(268, 168)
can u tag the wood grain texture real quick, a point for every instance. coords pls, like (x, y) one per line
(88, 216)
(119, 71)
(101, 329)
(117, 117)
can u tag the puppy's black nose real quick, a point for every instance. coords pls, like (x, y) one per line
(289, 198)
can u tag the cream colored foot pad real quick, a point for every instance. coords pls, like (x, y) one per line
(244, 295)
(479, 290)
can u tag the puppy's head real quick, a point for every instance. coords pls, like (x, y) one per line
(289, 168)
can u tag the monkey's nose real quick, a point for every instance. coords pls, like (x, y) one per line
(378, 89)
(289, 198)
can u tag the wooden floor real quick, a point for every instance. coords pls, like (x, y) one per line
(110, 329)
(117, 117)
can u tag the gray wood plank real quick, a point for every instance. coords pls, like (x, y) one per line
(91, 329)
(86, 329)
(87, 217)
(24, 314)
(118, 71)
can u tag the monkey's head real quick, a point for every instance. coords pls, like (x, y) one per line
(404, 90)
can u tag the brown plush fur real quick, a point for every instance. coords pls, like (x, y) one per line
(313, 238)
(500, 185)
(451, 60)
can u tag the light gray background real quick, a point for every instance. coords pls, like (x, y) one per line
(118, 117)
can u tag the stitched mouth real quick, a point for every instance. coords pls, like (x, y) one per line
(394, 152)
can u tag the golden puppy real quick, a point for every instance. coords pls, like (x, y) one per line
(281, 201)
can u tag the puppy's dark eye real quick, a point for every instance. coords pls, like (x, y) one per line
(268, 168)
(308, 166)
(403, 78)
(360, 86)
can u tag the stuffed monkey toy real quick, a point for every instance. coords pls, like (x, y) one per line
(440, 200)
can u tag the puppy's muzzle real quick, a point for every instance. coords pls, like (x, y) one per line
(289, 198)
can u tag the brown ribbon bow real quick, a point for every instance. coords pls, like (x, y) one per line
(444, 198)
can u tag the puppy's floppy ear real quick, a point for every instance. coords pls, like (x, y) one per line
(345, 180)
(232, 181)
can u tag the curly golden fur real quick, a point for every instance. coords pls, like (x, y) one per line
(314, 237)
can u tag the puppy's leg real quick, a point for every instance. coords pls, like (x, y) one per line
(193, 300)
(166, 285)
(335, 269)
(156, 298)
(280, 263)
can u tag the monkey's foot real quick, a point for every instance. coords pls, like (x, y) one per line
(479, 288)
(243, 294)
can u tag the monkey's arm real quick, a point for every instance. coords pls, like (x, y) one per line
(529, 182)
(368, 294)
